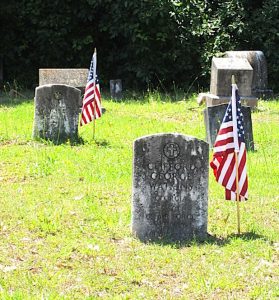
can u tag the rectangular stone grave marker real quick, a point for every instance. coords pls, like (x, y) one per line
(222, 70)
(213, 117)
(116, 89)
(170, 187)
(56, 112)
(73, 77)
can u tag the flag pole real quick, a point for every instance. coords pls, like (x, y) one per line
(237, 194)
(94, 83)
(237, 182)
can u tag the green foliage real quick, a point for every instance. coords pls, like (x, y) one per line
(146, 43)
(262, 33)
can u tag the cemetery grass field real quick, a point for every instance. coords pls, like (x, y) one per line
(65, 212)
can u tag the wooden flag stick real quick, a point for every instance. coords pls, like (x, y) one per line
(237, 193)
(94, 83)
(94, 127)
(237, 179)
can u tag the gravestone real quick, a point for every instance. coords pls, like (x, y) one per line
(258, 62)
(170, 187)
(73, 77)
(56, 112)
(116, 89)
(222, 70)
(213, 117)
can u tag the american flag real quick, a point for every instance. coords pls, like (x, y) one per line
(91, 108)
(230, 144)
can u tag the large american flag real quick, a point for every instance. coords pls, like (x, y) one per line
(229, 144)
(91, 107)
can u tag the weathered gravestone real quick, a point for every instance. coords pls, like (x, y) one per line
(56, 112)
(222, 70)
(258, 62)
(170, 187)
(213, 117)
(74, 77)
(116, 89)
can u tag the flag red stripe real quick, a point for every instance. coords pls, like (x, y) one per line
(223, 142)
(224, 162)
(91, 108)
(225, 130)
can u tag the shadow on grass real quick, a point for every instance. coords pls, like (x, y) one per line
(209, 240)
(15, 98)
(247, 236)
(102, 143)
(76, 141)
(8, 102)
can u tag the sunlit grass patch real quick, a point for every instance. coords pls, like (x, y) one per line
(66, 209)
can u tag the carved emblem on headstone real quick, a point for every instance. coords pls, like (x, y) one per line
(171, 150)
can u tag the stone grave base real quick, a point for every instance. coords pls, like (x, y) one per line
(212, 100)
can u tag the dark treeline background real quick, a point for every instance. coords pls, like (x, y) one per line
(157, 43)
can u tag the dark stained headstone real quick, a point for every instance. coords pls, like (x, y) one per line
(213, 117)
(170, 188)
(56, 112)
(116, 89)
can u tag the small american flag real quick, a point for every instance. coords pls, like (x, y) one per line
(230, 140)
(91, 108)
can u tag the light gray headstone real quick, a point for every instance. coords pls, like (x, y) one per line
(56, 112)
(73, 77)
(213, 118)
(116, 89)
(170, 187)
(258, 63)
(222, 70)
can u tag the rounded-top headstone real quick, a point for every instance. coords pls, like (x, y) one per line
(170, 187)
(56, 112)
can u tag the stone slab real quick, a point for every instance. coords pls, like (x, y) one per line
(258, 62)
(222, 70)
(213, 117)
(56, 112)
(170, 187)
(73, 77)
(116, 89)
(212, 100)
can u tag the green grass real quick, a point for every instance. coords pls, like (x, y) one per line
(65, 213)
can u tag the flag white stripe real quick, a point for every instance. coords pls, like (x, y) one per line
(225, 168)
(242, 177)
(224, 147)
(234, 118)
(227, 124)
(224, 136)
(231, 179)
